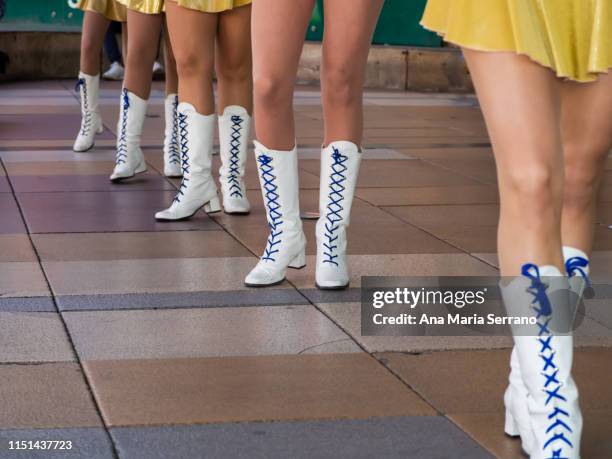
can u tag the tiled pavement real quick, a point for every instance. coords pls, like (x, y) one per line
(136, 339)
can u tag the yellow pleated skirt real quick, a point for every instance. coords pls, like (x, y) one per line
(111, 9)
(572, 37)
(145, 6)
(213, 6)
(206, 6)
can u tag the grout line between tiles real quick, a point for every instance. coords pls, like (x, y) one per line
(90, 390)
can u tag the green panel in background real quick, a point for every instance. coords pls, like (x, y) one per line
(41, 15)
(398, 24)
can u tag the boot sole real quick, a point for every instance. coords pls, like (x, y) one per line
(168, 220)
(275, 283)
(84, 151)
(123, 179)
(264, 285)
(236, 213)
(335, 288)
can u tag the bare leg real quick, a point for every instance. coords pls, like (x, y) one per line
(193, 42)
(521, 104)
(278, 30)
(587, 138)
(144, 30)
(170, 65)
(124, 41)
(345, 52)
(94, 28)
(234, 59)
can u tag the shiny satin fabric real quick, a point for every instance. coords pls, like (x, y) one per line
(572, 37)
(212, 6)
(111, 9)
(145, 6)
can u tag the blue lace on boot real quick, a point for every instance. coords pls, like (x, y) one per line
(333, 216)
(273, 207)
(122, 143)
(87, 118)
(183, 126)
(234, 171)
(558, 417)
(577, 265)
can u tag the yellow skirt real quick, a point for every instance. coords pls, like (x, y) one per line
(145, 6)
(111, 9)
(212, 6)
(572, 37)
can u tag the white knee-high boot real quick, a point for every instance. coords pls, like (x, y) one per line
(198, 189)
(234, 129)
(286, 245)
(577, 267)
(129, 160)
(545, 357)
(172, 154)
(340, 163)
(91, 121)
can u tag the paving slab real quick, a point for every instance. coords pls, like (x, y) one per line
(148, 276)
(16, 247)
(83, 443)
(426, 437)
(58, 127)
(45, 396)
(237, 389)
(229, 298)
(27, 304)
(95, 212)
(22, 279)
(75, 183)
(219, 332)
(137, 245)
(423, 196)
(11, 222)
(16, 338)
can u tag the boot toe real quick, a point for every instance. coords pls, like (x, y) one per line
(173, 171)
(81, 145)
(236, 206)
(261, 277)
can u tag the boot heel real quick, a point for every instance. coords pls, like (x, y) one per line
(213, 206)
(299, 262)
(510, 427)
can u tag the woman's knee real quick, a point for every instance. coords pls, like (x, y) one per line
(90, 47)
(235, 71)
(192, 64)
(533, 187)
(584, 164)
(342, 84)
(272, 91)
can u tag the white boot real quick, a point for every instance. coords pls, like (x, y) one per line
(234, 129)
(545, 354)
(91, 121)
(130, 160)
(172, 154)
(286, 246)
(198, 187)
(339, 170)
(518, 421)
